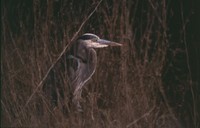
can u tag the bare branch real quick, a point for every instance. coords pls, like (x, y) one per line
(53, 64)
(144, 115)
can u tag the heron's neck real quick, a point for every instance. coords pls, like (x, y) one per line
(92, 56)
(86, 54)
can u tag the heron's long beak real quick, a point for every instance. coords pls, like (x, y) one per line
(107, 42)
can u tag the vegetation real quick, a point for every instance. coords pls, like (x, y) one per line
(146, 83)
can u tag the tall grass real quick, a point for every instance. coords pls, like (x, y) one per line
(129, 87)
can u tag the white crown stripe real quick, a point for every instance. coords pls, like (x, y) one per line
(90, 34)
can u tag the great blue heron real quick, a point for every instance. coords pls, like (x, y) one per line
(80, 62)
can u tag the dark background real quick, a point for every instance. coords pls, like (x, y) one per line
(157, 67)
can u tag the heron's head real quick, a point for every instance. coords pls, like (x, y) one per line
(93, 41)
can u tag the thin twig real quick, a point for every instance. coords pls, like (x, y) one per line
(6, 110)
(66, 47)
(144, 115)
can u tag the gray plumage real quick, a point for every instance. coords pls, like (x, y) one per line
(78, 64)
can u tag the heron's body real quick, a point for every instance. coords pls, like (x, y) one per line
(80, 64)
